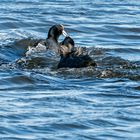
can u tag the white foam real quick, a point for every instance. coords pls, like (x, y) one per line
(39, 48)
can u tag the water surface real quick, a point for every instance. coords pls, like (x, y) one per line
(38, 103)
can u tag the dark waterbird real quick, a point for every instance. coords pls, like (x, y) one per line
(53, 35)
(50, 46)
(73, 57)
(51, 42)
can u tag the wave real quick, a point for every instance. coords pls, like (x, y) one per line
(109, 65)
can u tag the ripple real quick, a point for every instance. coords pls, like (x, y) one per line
(37, 101)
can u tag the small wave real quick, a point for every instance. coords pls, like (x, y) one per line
(109, 65)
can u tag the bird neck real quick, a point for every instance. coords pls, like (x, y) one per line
(53, 38)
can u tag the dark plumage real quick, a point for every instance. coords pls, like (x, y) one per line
(55, 31)
(73, 57)
(51, 41)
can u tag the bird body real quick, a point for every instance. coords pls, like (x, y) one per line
(73, 57)
(51, 42)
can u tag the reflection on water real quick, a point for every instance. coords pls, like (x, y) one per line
(37, 101)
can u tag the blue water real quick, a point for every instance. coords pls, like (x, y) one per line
(43, 103)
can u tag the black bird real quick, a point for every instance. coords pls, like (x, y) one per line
(50, 46)
(73, 57)
(51, 41)
(53, 35)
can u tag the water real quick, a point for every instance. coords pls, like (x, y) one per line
(43, 103)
